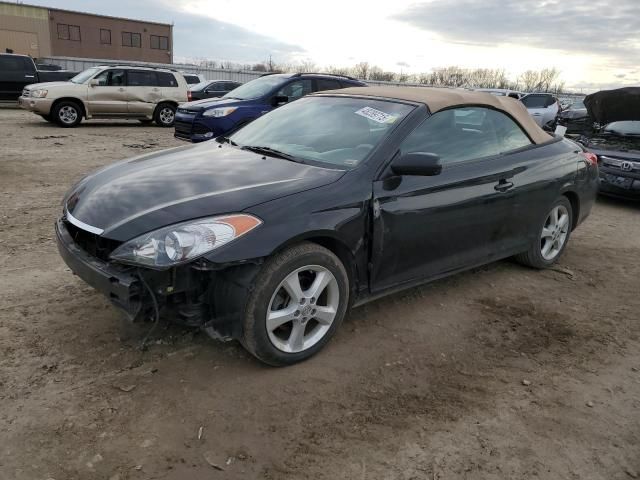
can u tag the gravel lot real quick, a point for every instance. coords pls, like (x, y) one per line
(503, 372)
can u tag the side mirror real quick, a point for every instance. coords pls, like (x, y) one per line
(94, 82)
(279, 100)
(417, 163)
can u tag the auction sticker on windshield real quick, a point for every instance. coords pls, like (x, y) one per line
(376, 115)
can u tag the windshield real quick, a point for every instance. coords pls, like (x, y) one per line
(256, 88)
(333, 130)
(85, 75)
(630, 127)
(199, 86)
(578, 105)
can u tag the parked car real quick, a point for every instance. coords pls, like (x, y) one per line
(543, 107)
(48, 67)
(575, 118)
(502, 92)
(211, 89)
(205, 119)
(616, 140)
(269, 235)
(146, 94)
(193, 78)
(18, 71)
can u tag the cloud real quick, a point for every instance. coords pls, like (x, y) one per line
(602, 27)
(195, 36)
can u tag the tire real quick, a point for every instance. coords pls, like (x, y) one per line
(553, 236)
(303, 330)
(48, 118)
(67, 114)
(165, 115)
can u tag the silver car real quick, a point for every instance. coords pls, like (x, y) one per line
(142, 93)
(543, 107)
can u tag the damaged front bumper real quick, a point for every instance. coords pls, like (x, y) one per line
(200, 294)
(119, 284)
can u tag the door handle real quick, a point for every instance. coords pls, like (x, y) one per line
(121, 89)
(29, 76)
(156, 89)
(503, 186)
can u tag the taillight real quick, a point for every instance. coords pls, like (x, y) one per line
(591, 158)
(189, 96)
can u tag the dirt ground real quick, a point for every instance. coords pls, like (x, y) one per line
(503, 372)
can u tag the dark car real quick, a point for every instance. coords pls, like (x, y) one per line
(18, 71)
(575, 118)
(616, 139)
(269, 235)
(211, 89)
(206, 119)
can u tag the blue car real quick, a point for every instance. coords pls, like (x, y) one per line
(206, 119)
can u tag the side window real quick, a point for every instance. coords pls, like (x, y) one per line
(11, 64)
(324, 84)
(461, 134)
(111, 78)
(141, 78)
(166, 79)
(216, 87)
(296, 89)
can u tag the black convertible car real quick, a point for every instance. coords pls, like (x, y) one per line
(268, 236)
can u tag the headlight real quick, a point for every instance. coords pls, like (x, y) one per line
(183, 242)
(39, 93)
(219, 112)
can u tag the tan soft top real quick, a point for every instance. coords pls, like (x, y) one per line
(442, 98)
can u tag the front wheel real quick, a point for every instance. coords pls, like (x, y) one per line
(300, 299)
(552, 238)
(67, 114)
(165, 115)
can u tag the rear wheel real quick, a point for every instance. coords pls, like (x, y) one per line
(300, 299)
(165, 115)
(552, 238)
(67, 114)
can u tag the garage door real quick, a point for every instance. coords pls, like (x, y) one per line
(25, 43)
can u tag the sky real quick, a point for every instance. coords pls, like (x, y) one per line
(594, 43)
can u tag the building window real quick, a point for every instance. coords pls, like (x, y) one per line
(105, 36)
(131, 39)
(68, 32)
(159, 43)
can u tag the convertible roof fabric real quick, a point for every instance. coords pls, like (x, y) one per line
(437, 99)
(608, 106)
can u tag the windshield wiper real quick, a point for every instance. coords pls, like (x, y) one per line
(272, 152)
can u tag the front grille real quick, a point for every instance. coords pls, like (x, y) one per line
(624, 165)
(183, 129)
(199, 129)
(93, 244)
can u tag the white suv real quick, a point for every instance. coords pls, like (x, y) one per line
(143, 93)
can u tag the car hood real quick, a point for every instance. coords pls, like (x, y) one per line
(577, 113)
(617, 105)
(35, 86)
(200, 105)
(144, 193)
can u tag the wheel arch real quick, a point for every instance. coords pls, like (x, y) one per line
(574, 200)
(76, 100)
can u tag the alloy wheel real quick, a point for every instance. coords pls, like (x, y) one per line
(68, 114)
(302, 309)
(166, 115)
(554, 233)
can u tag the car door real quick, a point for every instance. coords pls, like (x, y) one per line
(215, 90)
(107, 93)
(16, 72)
(425, 227)
(143, 92)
